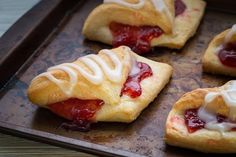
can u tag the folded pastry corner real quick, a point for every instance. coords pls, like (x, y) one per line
(114, 86)
(204, 120)
(220, 56)
(142, 24)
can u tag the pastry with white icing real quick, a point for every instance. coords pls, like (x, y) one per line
(204, 120)
(113, 86)
(173, 21)
(220, 56)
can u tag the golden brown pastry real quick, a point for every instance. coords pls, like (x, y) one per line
(220, 56)
(142, 24)
(115, 85)
(204, 120)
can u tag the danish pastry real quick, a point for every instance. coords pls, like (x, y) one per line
(220, 56)
(114, 85)
(142, 24)
(204, 120)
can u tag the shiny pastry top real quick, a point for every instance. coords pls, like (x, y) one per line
(209, 108)
(141, 24)
(114, 85)
(220, 56)
(221, 102)
(226, 47)
(89, 77)
(136, 13)
(154, 12)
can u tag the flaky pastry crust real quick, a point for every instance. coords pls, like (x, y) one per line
(42, 91)
(116, 108)
(177, 30)
(203, 140)
(211, 62)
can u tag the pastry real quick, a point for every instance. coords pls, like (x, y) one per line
(220, 56)
(142, 24)
(204, 120)
(113, 86)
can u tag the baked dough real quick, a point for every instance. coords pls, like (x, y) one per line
(42, 91)
(211, 61)
(177, 30)
(204, 140)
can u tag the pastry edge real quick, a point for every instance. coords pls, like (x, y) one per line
(211, 62)
(104, 35)
(203, 140)
(137, 106)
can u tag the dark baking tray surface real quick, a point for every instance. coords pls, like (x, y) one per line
(59, 41)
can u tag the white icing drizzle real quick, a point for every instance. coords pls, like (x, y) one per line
(219, 48)
(159, 5)
(138, 5)
(222, 127)
(230, 34)
(112, 74)
(227, 38)
(97, 66)
(229, 96)
(135, 69)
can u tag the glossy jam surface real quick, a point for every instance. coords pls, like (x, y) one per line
(227, 55)
(80, 112)
(194, 123)
(180, 7)
(132, 85)
(139, 38)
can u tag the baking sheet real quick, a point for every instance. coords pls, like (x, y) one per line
(145, 135)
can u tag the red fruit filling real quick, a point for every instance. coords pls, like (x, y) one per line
(139, 38)
(194, 123)
(180, 7)
(81, 112)
(132, 85)
(227, 55)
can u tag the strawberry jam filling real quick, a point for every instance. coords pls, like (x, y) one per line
(80, 112)
(139, 38)
(180, 7)
(194, 123)
(132, 85)
(227, 55)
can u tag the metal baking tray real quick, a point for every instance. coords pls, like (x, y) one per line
(50, 33)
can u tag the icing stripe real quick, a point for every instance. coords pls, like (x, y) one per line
(113, 75)
(159, 5)
(97, 66)
(229, 96)
(230, 34)
(138, 5)
(227, 38)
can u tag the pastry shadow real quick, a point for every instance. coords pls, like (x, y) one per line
(100, 133)
(95, 45)
(45, 120)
